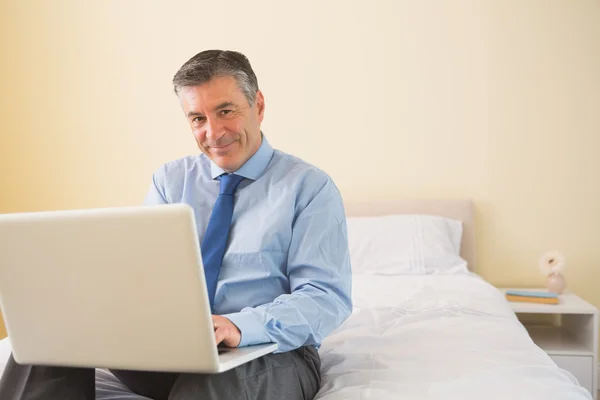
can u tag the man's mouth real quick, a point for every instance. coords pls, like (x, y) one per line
(223, 146)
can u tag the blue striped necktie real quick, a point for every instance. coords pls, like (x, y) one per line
(217, 232)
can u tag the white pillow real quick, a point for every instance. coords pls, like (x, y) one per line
(412, 244)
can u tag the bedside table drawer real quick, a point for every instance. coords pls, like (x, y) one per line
(582, 367)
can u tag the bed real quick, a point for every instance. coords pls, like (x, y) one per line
(424, 325)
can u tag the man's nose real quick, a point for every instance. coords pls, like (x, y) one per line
(213, 129)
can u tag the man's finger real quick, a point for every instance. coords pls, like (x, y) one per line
(221, 334)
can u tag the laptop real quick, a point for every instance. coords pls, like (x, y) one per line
(119, 287)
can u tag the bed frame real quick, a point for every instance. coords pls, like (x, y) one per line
(459, 209)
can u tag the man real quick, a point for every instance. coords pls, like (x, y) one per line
(272, 231)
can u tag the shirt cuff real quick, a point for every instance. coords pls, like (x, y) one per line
(252, 330)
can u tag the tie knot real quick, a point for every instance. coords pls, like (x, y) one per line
(229, 183)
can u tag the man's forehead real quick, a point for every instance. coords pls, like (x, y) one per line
(203, 98)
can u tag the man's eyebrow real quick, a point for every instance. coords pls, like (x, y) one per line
(224, 104)
(194, 114)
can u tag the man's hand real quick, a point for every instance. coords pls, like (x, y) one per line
(226, 331)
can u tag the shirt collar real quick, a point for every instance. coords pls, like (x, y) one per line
(254, 167)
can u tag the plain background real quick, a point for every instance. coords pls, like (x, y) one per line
(498, 101)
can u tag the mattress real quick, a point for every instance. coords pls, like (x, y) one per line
(422, 337)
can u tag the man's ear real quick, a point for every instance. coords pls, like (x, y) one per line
(260, 105)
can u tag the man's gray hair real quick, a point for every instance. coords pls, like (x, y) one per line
(210, 64)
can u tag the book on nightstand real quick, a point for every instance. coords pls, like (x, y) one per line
(532, 297)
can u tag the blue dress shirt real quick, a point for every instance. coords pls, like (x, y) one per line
(285, 276)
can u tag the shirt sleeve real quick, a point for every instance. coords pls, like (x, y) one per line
(156, 191)
(320, 281)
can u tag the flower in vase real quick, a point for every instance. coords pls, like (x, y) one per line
(553, 262)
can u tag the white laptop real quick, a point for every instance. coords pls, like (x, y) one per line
(110, 288)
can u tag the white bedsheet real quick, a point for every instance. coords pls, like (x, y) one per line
(436, 337)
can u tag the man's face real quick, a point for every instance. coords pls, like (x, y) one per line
(226, 127)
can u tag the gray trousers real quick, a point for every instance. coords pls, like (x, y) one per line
(290, 376)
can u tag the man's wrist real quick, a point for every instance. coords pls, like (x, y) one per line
(252, 331)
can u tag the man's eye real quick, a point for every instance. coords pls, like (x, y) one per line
(225, 112)
(197, 120)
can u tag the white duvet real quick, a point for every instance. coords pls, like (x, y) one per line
(436, 337)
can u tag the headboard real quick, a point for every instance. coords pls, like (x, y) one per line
(459, 209)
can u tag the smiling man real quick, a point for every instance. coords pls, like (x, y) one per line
(225, 125)
(273, 236)
(285, 274)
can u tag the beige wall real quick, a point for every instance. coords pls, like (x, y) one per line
(494, 100)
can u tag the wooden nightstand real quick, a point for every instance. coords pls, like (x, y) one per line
(571, 339)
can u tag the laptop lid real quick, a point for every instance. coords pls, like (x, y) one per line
(108, 288)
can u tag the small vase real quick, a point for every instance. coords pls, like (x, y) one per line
(556, 283)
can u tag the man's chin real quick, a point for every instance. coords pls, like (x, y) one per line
(226, 163)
